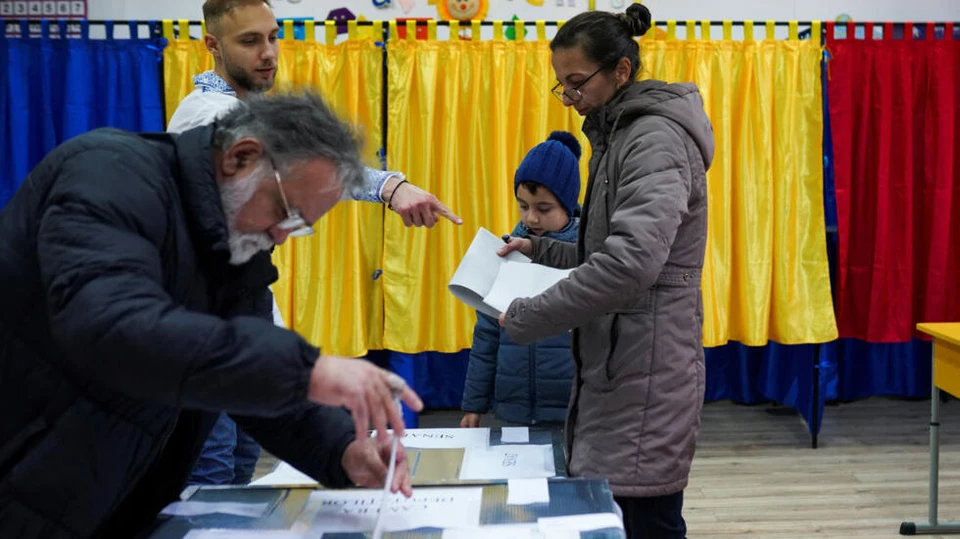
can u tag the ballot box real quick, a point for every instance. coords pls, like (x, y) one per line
(507, 483)
(569, 507)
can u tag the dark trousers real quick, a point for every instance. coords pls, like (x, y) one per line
(229, 456)
(658, 517)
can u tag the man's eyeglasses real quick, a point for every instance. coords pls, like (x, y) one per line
(573, 94)
(294, 224)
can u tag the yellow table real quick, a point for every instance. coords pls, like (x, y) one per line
(946, 377)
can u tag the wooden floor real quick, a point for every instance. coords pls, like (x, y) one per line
(756, 476)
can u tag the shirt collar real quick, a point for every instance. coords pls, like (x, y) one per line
(209, 81)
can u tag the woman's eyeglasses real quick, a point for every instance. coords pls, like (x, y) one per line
(573, 94)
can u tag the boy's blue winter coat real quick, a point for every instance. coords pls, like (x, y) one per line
(522, 384)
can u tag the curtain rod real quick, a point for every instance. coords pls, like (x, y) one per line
(658, 23)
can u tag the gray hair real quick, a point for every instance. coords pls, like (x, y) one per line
(293, 128)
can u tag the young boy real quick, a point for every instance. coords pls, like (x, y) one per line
(529, 385)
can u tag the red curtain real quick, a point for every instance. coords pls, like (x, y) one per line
(894, 115)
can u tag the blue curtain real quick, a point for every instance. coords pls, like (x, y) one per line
(437, 378)
(735, 372)
(56, 89)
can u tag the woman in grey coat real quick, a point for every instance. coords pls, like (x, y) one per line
(633, 298)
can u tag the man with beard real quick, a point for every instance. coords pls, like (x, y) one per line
(131, 271)
(242, 37)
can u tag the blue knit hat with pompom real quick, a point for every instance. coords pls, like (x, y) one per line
(554, 164)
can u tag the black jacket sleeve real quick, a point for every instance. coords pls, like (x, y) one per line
(99, 248)
(312, 440)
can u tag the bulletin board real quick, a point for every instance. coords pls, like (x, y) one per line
(41, 9)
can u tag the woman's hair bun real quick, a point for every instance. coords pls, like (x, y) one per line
(637, 18)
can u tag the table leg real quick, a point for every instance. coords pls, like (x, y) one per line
(932, 526)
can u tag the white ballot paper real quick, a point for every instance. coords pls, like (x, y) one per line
(242, 534)
(284, 474)
(190, 509)
(488, 282)
(514, 435)
(445, 438)
(516, 280)
(507, 462)
(356, 510)
(528, 490)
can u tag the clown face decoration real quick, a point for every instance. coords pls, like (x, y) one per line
(462, 10)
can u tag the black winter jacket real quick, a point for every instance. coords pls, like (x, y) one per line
(124, 330)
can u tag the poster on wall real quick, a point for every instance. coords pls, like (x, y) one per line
(12, 10)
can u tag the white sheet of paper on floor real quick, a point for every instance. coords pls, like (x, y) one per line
(356, 510)
(242, 534)
(498, 531)
(507, 462)
(528, 490)
(190, 509)
(514, 435)
(285, 475)
(579, 523)
(445, 438)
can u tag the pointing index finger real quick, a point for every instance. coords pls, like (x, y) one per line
(446, 213)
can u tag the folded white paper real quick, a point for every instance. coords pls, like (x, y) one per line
(488, 282)
(514, 435)
(528, 490)
(285, 475)
(515, 280)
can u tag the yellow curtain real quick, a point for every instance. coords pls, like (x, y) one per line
(766, 274)
(182, 59)
(462, 114)
(328, 289)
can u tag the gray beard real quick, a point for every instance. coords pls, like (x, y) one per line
(234, 196)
